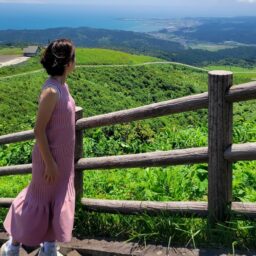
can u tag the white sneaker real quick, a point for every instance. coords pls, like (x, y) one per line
(53, 252)
(5, 251)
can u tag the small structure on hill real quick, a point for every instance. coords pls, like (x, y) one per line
(31, 51)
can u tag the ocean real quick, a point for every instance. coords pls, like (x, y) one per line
(28, 16)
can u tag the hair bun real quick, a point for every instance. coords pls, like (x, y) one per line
(57, 55)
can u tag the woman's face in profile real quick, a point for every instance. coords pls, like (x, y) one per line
(71, 64)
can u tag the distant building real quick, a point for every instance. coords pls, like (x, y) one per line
(31, 51)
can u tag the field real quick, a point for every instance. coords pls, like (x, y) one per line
(84, 56)
(10, 51)
(210, 46)
(103, 90)
(233, 69)
(105, 56)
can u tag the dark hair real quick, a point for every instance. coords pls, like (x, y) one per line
(57, 55)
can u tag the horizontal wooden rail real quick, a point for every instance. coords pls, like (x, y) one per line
(16, 169)
(242, 92)
(22, 136)
(188, 103)
(239, 152)
(17, 137)
(163, 108)
(154, 207)
(157, 158)
(236, 152)
(244, 209)
(136, 207)
(148, 207)
(6, 202)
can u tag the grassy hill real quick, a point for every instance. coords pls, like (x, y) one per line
(84, 56)
(11, 51)
(101, 90)
(234, 69)
(105, 56)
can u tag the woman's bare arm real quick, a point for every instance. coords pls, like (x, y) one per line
(47, 102)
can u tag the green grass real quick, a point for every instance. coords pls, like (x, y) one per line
(232, 68)
(84, 56)
(11, 51)
(103, 90)
(31, 64)
(104, 56)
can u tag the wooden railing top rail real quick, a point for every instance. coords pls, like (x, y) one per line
(22, 136)
(188, 103)
(241, 92)
(163, 108)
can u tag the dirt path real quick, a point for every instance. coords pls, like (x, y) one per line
(146, 64)
(11, 60)
(102, 247)
(127, 65)
(22, 74)
(109, 66)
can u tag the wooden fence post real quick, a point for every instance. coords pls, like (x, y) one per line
(78, 155)
(220, 121)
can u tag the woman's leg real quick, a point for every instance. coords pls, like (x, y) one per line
(15, 243)
(11, 247)
(49, 246)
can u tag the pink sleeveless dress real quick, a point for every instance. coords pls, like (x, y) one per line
(42, 211)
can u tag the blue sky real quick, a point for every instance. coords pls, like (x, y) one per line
(181, 7)
(135, 2)
(198, 3)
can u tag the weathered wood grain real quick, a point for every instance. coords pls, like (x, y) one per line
(219, 138)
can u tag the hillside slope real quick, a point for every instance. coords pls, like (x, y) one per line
(102, 90)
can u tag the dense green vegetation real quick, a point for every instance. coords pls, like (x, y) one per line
(103, 90)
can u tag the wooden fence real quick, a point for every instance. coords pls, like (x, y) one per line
(219, 154)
